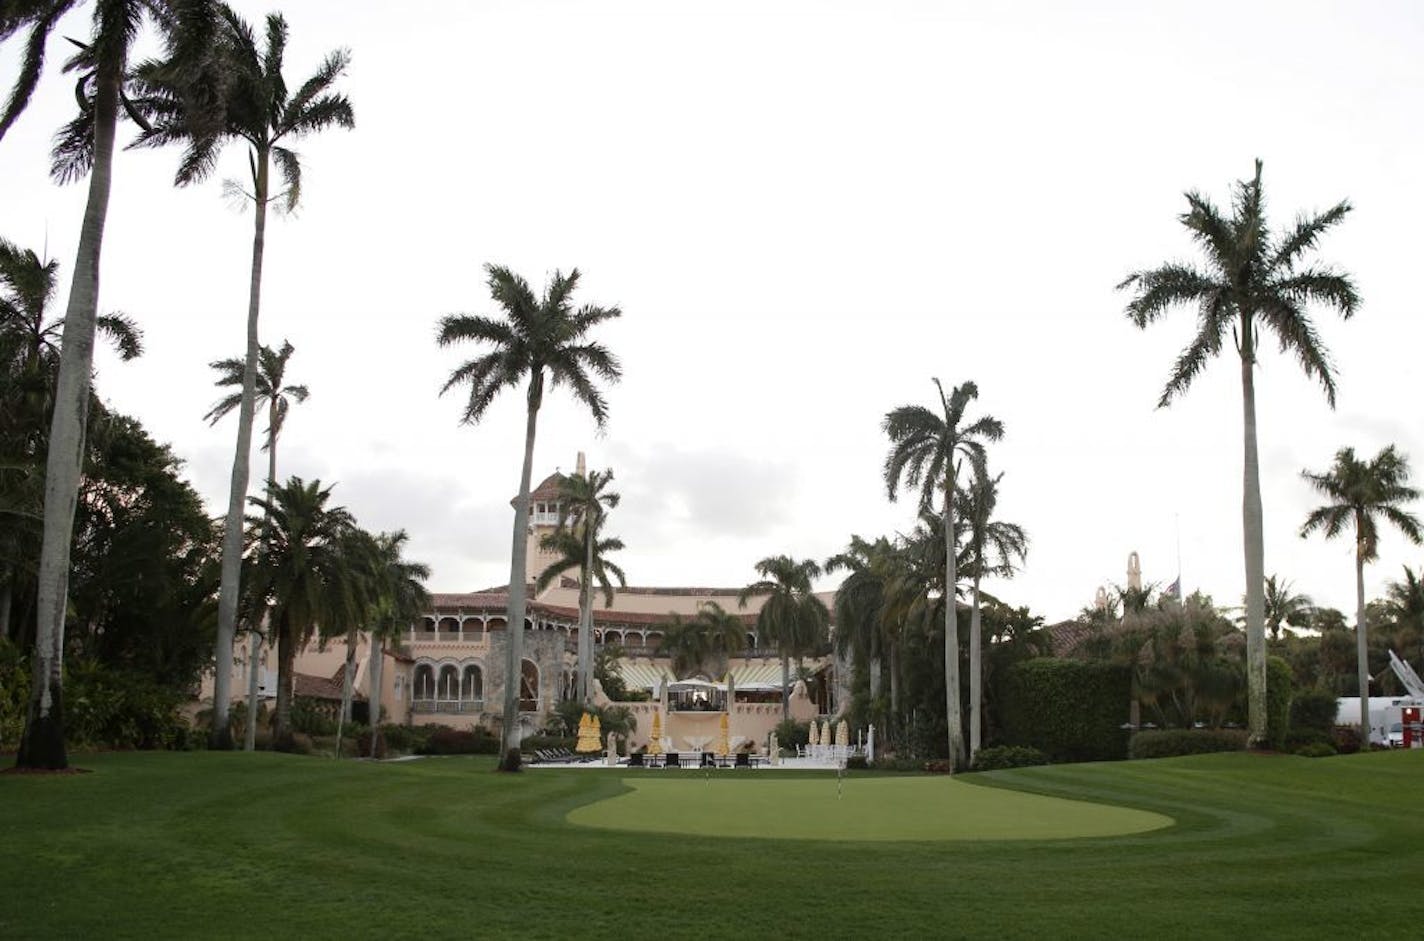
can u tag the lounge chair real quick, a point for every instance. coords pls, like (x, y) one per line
(744, 760)
(672, 760)
(635, 760)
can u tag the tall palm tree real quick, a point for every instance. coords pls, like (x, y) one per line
(400, 598)
(1252, 278)
(791, 617)
(926, 448)
(584, 500)
(261, 112)
(271, 389)
(537, 341)
(994, 548)
(85, 145)
(301, 571)
(1363, 493)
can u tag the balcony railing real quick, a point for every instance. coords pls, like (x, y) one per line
(448, 637)
(448, 705)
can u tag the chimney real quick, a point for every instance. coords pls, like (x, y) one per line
(581, 472)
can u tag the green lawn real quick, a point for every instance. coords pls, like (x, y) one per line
(272, 846)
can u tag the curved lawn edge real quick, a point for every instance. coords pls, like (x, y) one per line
(856, 809)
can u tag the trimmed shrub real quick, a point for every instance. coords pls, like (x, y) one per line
(1171, 743)
(899, 764)
(364, 743)
(407, 738)
(792, 734)
(1297, 739)
(446, 741)
(1007, 756)
(1070, 710)
(1347, 739)
(1313, 710)
(857, 763)
(939, 766)
(312, 716)
(1280, 685)
(1316, 750)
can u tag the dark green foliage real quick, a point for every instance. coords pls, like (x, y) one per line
(1172, 743)
(792, 734)
(1007, 756)
(857, 763)
(1297, 739)
(1279, 692)
(14, 694)
(1316, 750)
(445, 741)
(1313, 710)
(407, 739)
(110, 708)
(1070, 710)
(313, 716)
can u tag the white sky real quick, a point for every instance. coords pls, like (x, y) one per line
(805, 211)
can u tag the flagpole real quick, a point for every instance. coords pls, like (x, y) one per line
(1181, 589)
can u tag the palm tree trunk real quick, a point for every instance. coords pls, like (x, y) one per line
(7, 598)
(953, 716)
(348, 687)
(976, 678)
(1362, 648)
(1251, 526)
(42, 743)
(585, 640)
(785, 686)
(254, 638)
(895, 685)
(286, 661)
(378, 656)
(237, 494)
(514, 658)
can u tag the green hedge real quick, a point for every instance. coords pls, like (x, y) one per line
(1279, 692)
(1314, 710)
(1171, 743)
(1070, 710)
(1007, 756)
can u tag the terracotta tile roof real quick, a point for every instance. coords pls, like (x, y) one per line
(478, 599)
(549, 489)
(1065, 637)
(321, 687)
(499, 601)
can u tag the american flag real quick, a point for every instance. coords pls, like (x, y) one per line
(1174, 590)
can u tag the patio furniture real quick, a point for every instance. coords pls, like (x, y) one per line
(635, 760)
(744, 760)
(709, 760)
(672, 761)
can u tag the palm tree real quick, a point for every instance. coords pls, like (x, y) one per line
(1405, 604)
(272, 389)
(356, 604)
(925, 452)
(994, 547)
(85, 145)
(860, 603)
(259, 111)
(1363, 493)
(1282, 607)
(583, 502)
(536, 341)
(791, 617)
(301, 571)
(1252, 278)
(400, 598)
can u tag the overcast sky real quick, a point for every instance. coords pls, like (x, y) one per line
(805, 211)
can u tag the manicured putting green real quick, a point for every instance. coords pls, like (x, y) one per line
(868, 808)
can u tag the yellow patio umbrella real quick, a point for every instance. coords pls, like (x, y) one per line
(655, 742)
(596, 733)
(843, 734)
(723, 744)
(815, 736)
(587, 738)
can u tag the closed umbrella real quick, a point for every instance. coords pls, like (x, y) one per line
(655, 744)
(723, 745)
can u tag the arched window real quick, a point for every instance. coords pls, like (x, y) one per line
(424, 682)
(529, 687)
(448, 687)
(472, 684)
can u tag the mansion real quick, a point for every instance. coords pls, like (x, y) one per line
(449, 666)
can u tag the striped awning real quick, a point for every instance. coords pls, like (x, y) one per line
(641, 674)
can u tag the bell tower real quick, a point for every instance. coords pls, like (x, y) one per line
(544, 508)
